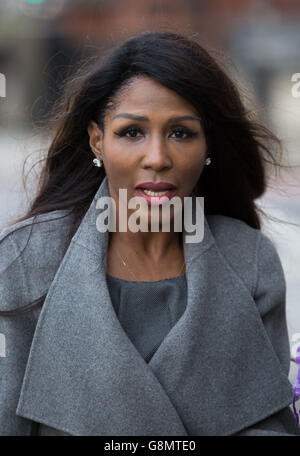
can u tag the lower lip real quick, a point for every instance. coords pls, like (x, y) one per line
(156, 200)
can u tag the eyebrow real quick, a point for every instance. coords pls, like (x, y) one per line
(145, 119)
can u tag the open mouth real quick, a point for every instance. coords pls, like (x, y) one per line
(152, 193)
(154, 198)
(156, 193)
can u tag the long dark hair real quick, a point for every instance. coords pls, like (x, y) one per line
(239, 146)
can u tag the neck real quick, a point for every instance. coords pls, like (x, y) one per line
(147, 245)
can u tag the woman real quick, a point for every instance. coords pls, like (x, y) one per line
(143, 333)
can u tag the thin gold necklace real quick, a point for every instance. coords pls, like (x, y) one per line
(126, 266)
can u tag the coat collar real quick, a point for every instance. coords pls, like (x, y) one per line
(215, 372)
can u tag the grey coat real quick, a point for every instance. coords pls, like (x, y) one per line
(221, 370)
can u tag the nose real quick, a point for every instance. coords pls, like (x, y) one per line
(157, 154)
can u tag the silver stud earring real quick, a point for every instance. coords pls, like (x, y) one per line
(97, 162)
(208, 161)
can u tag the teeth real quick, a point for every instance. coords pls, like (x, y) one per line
(149, 192)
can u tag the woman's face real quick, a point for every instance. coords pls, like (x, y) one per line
(143, 142)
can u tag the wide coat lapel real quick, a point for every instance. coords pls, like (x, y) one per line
(208, 377)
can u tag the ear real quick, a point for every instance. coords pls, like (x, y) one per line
(96, 138)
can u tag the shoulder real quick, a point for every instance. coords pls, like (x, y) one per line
(37, 225)
(30, 253)
(38, 234)
(228, 230)
(251, 253)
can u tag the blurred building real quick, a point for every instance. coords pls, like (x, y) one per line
(40, 39)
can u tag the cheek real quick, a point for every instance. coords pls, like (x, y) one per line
(193, 164)
(117, 162)
(191, 175)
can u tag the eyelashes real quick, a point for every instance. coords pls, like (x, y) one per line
(134, 129)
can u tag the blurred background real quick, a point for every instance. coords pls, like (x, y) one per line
(258, 41)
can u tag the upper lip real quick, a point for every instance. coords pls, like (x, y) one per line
(156, 186)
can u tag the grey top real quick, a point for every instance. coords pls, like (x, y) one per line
(148, 310)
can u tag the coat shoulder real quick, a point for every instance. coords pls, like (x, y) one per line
(244, 248)
(30, 253)
(231, 230)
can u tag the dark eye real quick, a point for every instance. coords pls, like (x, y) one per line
(185, 131)
(130, 130)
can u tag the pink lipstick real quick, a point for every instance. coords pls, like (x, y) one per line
(156, 192)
